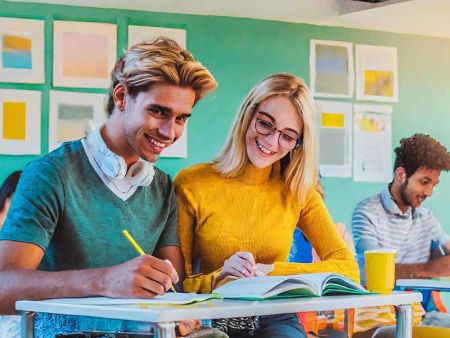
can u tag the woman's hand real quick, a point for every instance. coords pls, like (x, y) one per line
(241, 264)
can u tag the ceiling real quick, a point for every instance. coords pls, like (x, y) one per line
(418, 17)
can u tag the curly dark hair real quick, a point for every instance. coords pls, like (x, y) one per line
(421, 151)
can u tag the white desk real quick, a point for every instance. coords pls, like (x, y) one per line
(165, 316)
(423, 284)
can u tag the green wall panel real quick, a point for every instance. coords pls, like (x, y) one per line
(240, 52)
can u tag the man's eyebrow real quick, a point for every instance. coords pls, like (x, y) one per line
(428, 179)
(160, 108)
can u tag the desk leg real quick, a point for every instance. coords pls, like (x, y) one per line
(166, 330)
(404, 321)
(27, 324)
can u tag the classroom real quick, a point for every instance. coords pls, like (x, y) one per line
(241, 43)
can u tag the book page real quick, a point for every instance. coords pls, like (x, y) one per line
(168, 298)
(263, 287)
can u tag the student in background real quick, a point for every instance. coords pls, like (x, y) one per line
(395, 218)
(6, 193)
(72, 204)
(237, 215)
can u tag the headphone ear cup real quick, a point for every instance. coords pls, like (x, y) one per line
(113, 166)
(140, 174)
(149, 177)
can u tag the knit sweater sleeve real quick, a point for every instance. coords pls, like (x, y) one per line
(317, 225)
(187, 211)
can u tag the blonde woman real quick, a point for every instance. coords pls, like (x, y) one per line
(237, 215)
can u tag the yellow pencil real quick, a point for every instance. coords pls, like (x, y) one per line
(138, 248)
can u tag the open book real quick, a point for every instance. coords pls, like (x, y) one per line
(304, 285)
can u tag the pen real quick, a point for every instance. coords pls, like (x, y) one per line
(138, 248)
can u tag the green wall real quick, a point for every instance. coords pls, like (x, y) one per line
(240, 52)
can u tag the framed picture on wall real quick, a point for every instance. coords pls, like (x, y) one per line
(138, 34)
(331, 68)
(20, 122)
(21, 50)
(372, 143)
(376, 73)
(334, 124)
(84, 53)
(73, 115)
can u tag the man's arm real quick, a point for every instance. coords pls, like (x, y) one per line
(439, 267)
(141, 277)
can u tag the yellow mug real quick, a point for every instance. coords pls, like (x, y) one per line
(379, 265)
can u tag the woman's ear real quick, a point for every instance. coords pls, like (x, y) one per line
(119, 94)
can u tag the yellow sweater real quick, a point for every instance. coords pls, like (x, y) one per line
(220, 216)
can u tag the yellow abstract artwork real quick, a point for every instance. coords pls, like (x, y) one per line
(378, 83)
(14, 120)
(332, 120)
(371, 125)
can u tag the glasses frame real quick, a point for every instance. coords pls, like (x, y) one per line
(298, 141)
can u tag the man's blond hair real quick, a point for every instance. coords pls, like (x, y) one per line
(161, 60)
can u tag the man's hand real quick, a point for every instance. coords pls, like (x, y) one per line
(142, 277)
(241, 264)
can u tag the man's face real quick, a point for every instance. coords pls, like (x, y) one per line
(416, 188)
(154, 119)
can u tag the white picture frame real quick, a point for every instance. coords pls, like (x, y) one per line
(21, 50)
(20, 122)
(73, 115)
(334, 130)
(138, 34)
(84, 53)
(372, 143)
(331, 68)
(376, 73)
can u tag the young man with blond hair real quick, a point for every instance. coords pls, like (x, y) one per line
(71, 205)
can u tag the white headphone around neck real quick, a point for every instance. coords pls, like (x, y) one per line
(114, 166)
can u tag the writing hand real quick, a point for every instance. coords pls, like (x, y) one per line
(241, 264)
(142, 277)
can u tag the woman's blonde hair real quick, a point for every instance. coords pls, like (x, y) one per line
(301, 173)
(161, 60)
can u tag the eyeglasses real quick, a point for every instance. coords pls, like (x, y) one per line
(287, 139)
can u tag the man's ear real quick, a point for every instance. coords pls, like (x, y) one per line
(400, 175)
(119, 94)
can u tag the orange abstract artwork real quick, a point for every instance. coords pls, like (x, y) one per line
(85, 55)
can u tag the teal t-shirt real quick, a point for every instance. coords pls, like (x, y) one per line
(63, 206)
